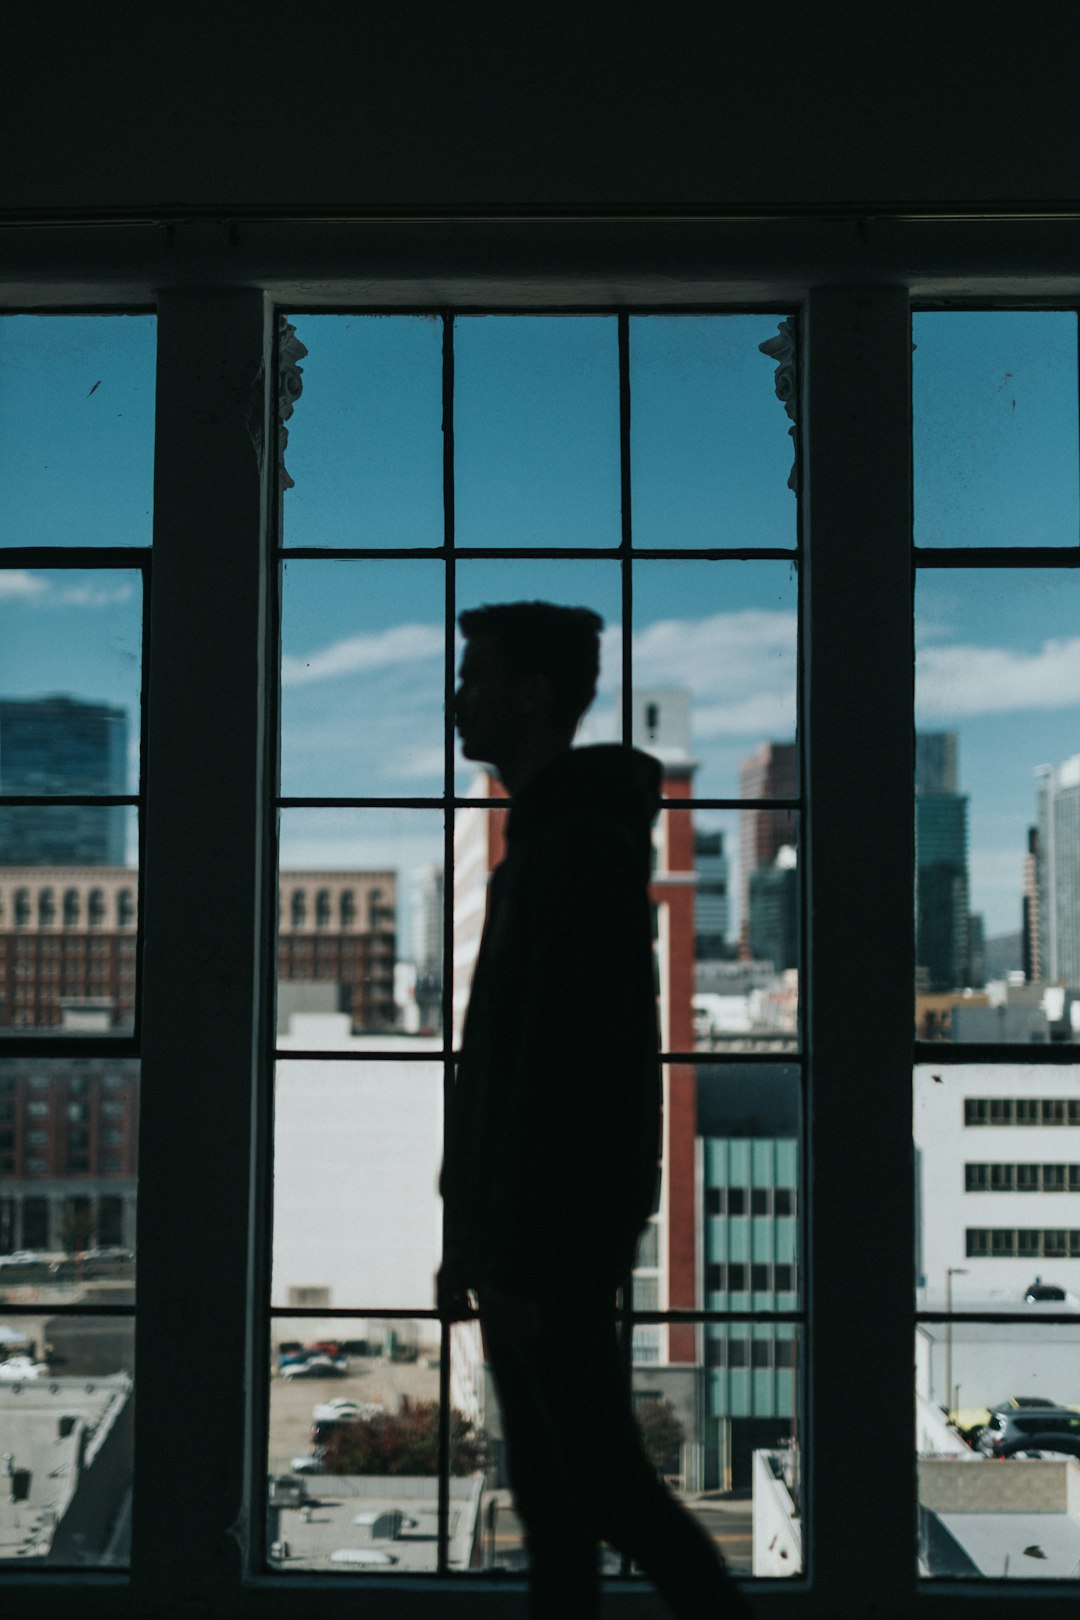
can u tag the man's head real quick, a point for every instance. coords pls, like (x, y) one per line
(528, 673)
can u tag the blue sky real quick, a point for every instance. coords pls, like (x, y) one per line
(536, 462)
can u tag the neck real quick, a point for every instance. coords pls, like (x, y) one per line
(530, 760)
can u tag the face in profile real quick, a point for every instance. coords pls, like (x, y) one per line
(484, 702)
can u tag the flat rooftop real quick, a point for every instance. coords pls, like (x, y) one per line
(341, 1514)
(31, 1437)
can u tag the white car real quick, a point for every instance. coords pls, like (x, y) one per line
(317, 1366)
(17, 1369)
(341, 1409)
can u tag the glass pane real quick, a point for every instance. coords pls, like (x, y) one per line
(69, 889)
(998, 1460)
(77, 429)
(715, 655)
(70, 672)
(997, 805)
(359, 924)
(594, 585)
(997, 1153)
(720, 1425)
(357, 1149)
(728, 941)
(711, 454)
(500, 1543)
(66, 1411)
(356, 1403)
(364, 446)
(68, 1143)
(749, 1205)
(536, 431)
(994, 399)
(362, 679)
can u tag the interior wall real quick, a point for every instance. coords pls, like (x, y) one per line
(444, 105)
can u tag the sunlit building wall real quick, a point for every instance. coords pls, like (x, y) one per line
(1058, 871)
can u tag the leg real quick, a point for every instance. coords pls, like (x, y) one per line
(563, 1552)
(580, 1473)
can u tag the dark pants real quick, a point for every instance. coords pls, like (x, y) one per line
(579, 1472)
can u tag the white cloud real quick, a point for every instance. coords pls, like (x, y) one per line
(739, 668)
(17, 584)
(767, 713)
(401, 644)
(42, 589)
(93, 595)
(963, 680)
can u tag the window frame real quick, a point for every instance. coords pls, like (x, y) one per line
(853, 288)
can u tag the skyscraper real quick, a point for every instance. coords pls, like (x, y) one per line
(1058, 871)
(774, 912)
(942, 934)
(62, 745)
(712, 909)
(770, 772)
(935, 762)
(1031, 956)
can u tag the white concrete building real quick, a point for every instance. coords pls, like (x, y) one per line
(357, 1150)
(998, 1177)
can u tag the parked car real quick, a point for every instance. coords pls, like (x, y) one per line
(339, 1410)
(307, 1465)
(314, 1364)
(1037, 1292)
(19, 1369)
(1028, 1431)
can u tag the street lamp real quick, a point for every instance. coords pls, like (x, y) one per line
(950, 1273)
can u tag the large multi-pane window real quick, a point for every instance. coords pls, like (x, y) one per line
(242, 883)
(643, 466)
(76, 470)
(997, 520)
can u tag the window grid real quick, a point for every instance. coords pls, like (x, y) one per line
(626, 554)
(860, 1537)
(70, 1154)
(1000, 1242)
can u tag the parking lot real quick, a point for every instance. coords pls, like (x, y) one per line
(371, 1379)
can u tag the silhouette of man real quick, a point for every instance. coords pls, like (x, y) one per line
(553, 1129)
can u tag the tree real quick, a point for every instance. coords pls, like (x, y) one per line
(404, 1442)
(661, 1433)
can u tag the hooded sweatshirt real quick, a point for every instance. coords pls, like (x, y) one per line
(553, 1127)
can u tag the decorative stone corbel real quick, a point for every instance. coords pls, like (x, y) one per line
(782, 349)
(290, 386)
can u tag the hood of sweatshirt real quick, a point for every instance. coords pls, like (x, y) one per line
(606, 781)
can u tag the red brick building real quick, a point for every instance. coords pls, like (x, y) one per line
(67, 947)
(341, 927)
(68, 1143)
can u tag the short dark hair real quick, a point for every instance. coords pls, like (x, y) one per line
(544, 638)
